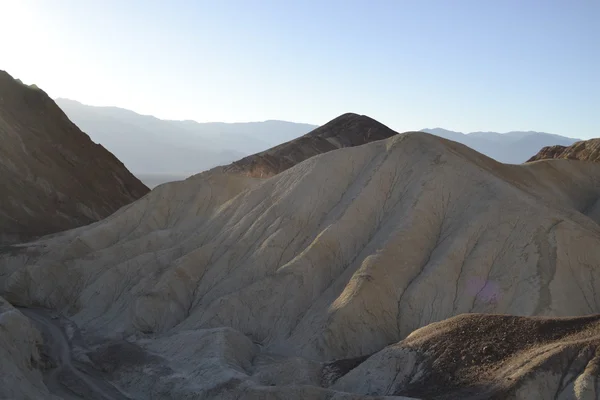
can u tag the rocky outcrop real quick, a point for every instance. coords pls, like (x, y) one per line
(586, 150)
(53, 177)
(243, 287)
(478, 356)
(548, 152)
(347, 130)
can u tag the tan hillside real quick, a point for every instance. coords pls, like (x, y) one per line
(53, 177)
(586, 150)
(231, 286)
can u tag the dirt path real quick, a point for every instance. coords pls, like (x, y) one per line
(66, 380)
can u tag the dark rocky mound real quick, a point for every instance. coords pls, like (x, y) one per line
(485, 356)
(52, 176)
(347, 130)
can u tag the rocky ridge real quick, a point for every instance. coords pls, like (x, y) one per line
(347, 130)
(585, 150)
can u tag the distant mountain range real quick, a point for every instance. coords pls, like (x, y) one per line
(511, 148)
(159, 151)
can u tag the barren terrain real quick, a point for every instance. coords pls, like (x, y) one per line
(336, 278)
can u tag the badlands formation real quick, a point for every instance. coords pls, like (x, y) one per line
(52, 176)
(408, 267)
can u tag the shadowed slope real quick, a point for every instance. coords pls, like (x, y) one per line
(20, 358)
(53, 177)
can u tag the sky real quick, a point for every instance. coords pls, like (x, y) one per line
(463, 65)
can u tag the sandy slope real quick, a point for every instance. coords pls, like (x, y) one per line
(335, 258)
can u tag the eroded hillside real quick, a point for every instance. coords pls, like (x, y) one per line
(239, 283)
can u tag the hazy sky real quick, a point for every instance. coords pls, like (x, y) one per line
(464, 65)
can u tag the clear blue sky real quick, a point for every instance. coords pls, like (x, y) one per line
(464, 65)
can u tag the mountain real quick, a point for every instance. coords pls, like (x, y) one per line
(347, 130)
(511, 147)
(346, 276)
(586, 150)
(158, 150)
(53, 177)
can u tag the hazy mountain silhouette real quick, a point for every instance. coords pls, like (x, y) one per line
(158, 150)
(512, 147)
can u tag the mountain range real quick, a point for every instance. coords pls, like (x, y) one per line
(511, 148)
(174, 150)
(158, 150)
(352, 262)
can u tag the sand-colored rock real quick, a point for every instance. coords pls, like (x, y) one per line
(333, 259)
(52, 176)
